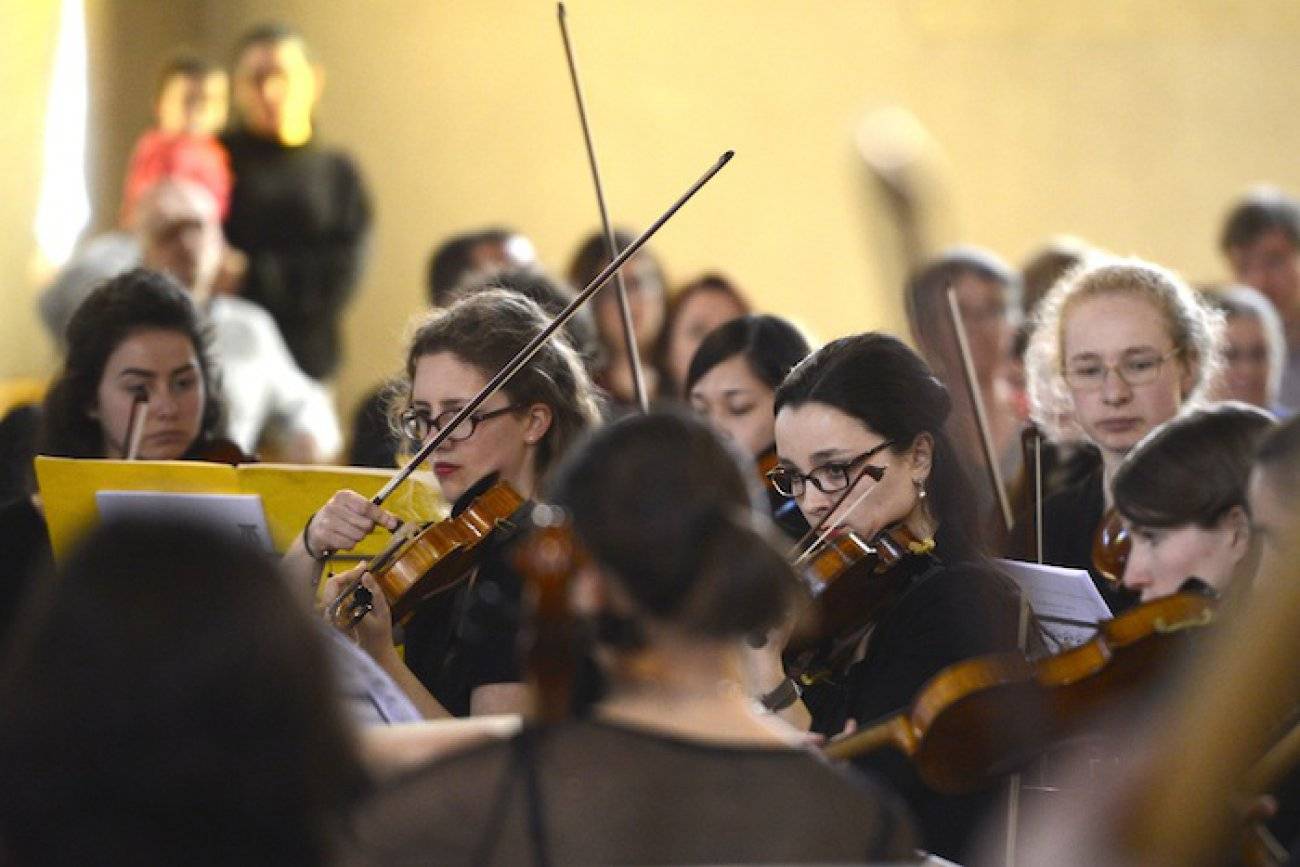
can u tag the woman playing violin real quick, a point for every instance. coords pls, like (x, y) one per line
(1182, 492)
(865, 413)
(1119, 347)
(137, 336)
(678, 570)
(460, 646)
(732, 382)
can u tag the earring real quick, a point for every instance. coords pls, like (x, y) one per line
(920, 488)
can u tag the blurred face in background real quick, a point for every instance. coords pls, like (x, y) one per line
(276, 89)
(194, 105)
(1271, 264)
(983, 306)
(700, 313)
(179, 225)
(737, 404)
(1247, 370)
(645, 299)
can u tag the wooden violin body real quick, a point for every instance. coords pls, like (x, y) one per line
(982, 718)
(851, 581)
(422, 561)
(1110, 546)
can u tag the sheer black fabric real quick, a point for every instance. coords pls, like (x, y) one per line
(608, 794)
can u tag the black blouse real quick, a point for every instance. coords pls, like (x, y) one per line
(950, 613)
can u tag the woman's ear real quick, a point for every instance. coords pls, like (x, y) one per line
(1236, 522)
(922, 457)
(538, 422)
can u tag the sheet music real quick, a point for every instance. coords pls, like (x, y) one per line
(241, 515)
(1065, 601)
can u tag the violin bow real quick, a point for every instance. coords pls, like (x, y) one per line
(508, 372)
(135, 427)
(805, 553)
(625, 312)
(977, 401)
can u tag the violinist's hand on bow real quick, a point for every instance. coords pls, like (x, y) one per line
(344, 521)
(374, 632)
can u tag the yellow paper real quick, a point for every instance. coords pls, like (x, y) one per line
(290, 493)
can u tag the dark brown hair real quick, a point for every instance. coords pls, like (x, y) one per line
(1193, 468)
(139, 300)
(173, 690)
(664, 505)
(878, 380)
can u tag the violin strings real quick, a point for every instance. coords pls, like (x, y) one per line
(803, 557)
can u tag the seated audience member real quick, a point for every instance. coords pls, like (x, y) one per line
(476, 253)
(1261, 240)
(170, 705)
(138, 334)
(299, 209)
(643, 277)
(693, 311)
(1254, 348)
(189, 107)
(732, 382)
(680, 570)
(267, 396)
(1182, 493)
(1119, 347)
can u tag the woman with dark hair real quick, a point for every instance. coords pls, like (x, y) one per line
(732, 382)
(695, 310)
(674, 765)
(864, 415)
(170, 704)
(643, 277)
(460, 646)
(138, 334)
(1182, 493)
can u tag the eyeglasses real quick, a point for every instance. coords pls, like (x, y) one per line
(829, 478)
(417, 424)
(1140, 368)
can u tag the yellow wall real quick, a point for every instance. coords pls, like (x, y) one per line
(24, 63)
(1129, 123)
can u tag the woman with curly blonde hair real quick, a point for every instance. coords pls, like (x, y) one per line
(1119, 346)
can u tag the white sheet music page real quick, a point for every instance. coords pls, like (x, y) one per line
(1065, 601)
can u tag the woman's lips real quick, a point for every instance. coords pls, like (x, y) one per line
(1119, 425)
(442, 469)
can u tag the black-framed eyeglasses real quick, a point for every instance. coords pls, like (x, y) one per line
(829, 478)
(417, 424)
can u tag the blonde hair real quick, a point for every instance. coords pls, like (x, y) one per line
(1194, 327)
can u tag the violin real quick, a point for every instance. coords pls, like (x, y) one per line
(982, 718)
(851, 581)
(547, 559)
(220, 450)
(1110, 546)
(421, 561)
